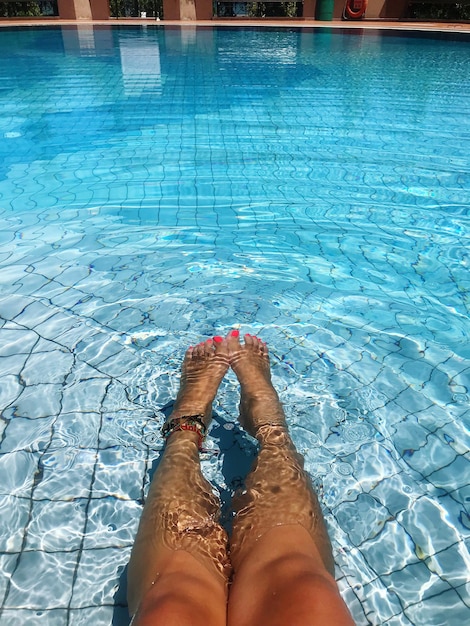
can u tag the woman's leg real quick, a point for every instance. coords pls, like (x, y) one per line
(179, 567)
(280, 550)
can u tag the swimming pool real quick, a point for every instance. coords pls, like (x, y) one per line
(159, 185)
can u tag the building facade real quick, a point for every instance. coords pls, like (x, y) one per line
(189, 10)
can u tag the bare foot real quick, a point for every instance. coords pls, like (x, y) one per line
(202, 371)
(259, 402)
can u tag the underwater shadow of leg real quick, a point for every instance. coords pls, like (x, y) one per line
(239, 452)
(120, 613)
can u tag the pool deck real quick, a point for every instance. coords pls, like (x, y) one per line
(301, 23)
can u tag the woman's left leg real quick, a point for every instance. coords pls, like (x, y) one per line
(179, 568)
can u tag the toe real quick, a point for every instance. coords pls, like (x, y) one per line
(208, 347)
(199, 350)
(220, 345)
(250, 340)
(233, 341)
(257, 343)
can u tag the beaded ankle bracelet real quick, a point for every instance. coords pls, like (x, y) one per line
(193, 423)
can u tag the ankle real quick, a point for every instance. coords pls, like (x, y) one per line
(192, 425)
(274, 434)
(179, 438)
(204, 411)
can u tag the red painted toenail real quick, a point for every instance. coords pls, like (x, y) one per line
(235, 333)
(218, 339)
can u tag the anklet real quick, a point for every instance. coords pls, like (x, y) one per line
(194, 423)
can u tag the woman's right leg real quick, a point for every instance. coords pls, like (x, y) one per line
(280, 550)
(179, 568)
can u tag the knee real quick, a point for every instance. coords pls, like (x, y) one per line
(172, 603)
(317, 601)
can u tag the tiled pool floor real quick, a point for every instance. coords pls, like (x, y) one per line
(110, 268)
(75, 459)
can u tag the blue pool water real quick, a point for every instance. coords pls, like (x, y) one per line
(159, 185)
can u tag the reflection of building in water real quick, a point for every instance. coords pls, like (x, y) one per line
(79, 41)
(188, 36)
(85, 41)
(140, 65)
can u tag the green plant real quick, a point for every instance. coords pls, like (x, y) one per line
(20, 9)
(454, 12)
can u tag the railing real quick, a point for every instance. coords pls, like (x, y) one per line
(28, 8)
(136, 8)
(274, 8)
